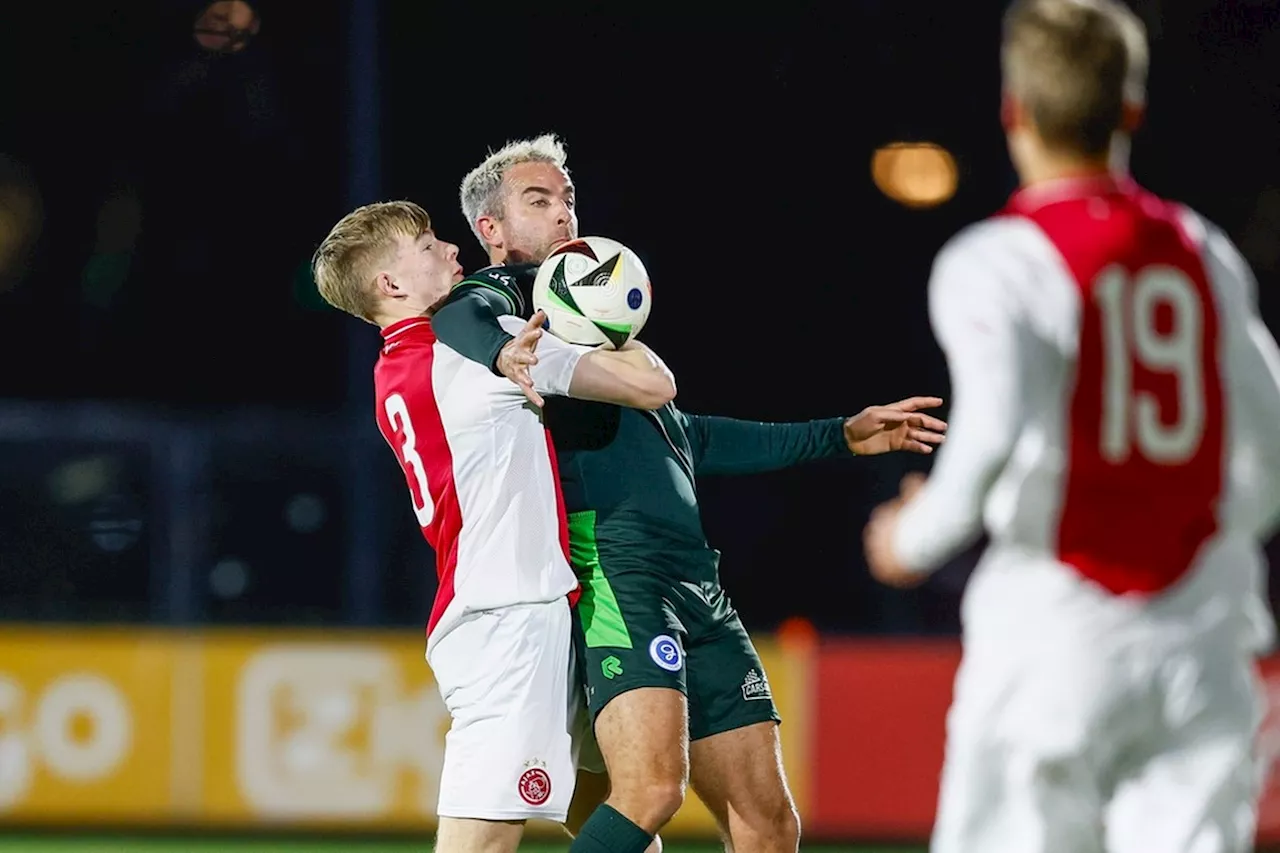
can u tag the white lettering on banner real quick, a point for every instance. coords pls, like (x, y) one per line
(81, 729)
(408, 733)
(327, 731)
(15, 755)
(93, 698)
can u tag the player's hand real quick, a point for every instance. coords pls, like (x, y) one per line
(879, 535)
(897, 426)
(518, 355)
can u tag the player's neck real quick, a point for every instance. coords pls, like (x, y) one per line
(1043, 166)
(390, 318)
(1063, 168)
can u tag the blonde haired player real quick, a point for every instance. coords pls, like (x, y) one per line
(482, 481)
(1114, 425)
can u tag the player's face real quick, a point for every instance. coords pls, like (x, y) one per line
(424, 270)
(539, 211)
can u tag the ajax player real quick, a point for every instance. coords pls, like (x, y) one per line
(482, 479)
(674, 684)
(1115, 426)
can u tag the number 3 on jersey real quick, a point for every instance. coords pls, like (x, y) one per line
(398, 415)
(1132, 340)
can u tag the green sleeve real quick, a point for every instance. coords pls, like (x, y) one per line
(468, 320)
(729, 446)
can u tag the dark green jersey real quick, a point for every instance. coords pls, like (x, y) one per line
(636, 471)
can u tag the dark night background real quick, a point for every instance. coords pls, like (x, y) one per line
(186, 433)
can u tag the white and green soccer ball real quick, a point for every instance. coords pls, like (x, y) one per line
(594, 291)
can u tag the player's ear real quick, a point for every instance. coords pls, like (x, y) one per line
(1010, 112)
(490, 228)
(1132, 117)
(386, 286)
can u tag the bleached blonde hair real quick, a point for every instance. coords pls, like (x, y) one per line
(482, 192)
(1074, 65)
(345, 264)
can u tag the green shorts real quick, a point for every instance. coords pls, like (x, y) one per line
(637, 628)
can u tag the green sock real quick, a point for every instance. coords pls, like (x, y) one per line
(608, 831)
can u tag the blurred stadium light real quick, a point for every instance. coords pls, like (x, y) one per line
(226, 26)
(21, 217)
(915, 174)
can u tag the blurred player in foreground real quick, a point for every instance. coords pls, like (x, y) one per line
(1116, 401)
(482, 479)
(676, 689)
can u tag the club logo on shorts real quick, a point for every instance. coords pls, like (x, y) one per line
(666, 653)
(611, 667)
(756, 686)
(535, 786)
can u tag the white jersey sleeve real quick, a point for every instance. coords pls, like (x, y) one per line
(1252, 363)
(973, 307)
(556, 360)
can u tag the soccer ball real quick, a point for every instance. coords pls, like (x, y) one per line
(595, 291)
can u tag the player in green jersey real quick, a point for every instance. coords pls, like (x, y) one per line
(675, 686)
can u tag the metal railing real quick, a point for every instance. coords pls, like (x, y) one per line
(99, 500)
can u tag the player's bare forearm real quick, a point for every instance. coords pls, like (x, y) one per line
(732, 446)
(632, 376)
(644, 358)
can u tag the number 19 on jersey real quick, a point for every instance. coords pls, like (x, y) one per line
(1133, 342)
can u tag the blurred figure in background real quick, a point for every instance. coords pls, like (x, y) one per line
(1116, 397)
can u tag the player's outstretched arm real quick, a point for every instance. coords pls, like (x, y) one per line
(632, 376)
(732, 446)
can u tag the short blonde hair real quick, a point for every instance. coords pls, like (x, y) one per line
(481, 192)
(344, 264)
(1073, 65)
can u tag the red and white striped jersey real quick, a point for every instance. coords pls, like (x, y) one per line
(480, 468)
(1114, 393)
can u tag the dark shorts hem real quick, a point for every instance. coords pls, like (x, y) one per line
(767, 713)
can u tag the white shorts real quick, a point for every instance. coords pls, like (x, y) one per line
(518, 714)
(1115, 740)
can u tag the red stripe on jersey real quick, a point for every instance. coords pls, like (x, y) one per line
(403, 377)
(1145, 443)
(562, 515)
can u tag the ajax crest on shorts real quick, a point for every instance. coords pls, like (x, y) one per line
(535, 784)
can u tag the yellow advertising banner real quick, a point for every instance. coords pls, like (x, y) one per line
(244, 729)
(305, 730)
(86, 725)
